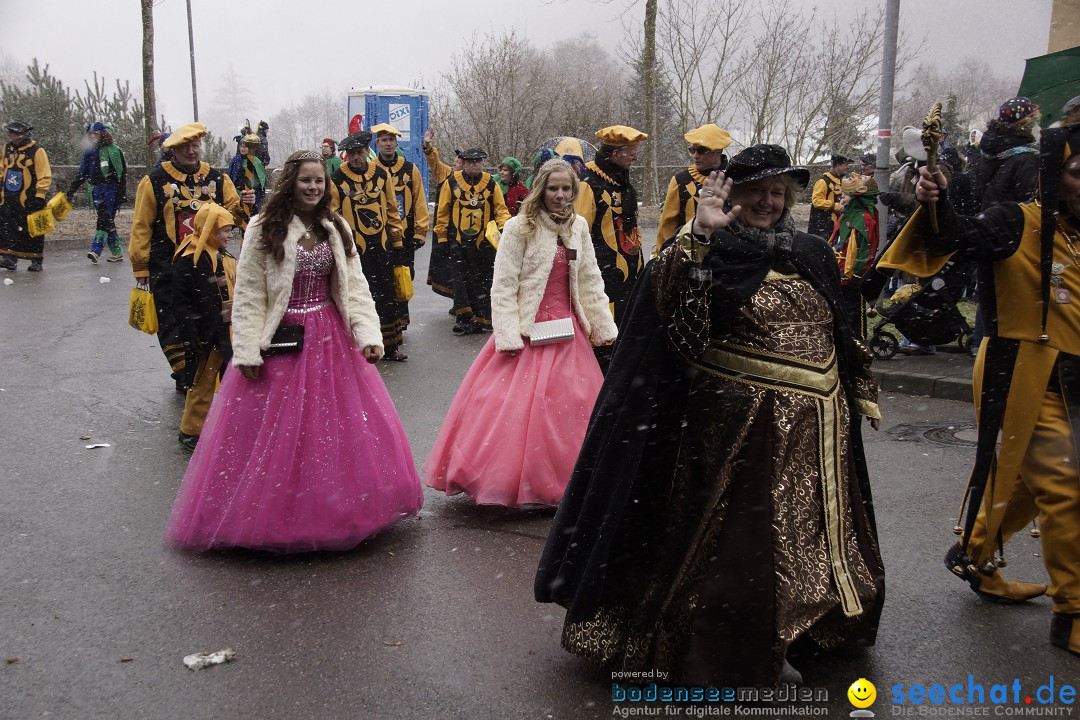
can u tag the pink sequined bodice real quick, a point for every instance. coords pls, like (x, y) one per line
(556, 301)
(311, 282)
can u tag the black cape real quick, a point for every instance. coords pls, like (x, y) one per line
(608, 541)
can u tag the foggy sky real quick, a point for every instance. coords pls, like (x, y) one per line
(282, 50)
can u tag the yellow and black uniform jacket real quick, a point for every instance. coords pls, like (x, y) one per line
(466, 207)
(367, 202)
(411, 198)
(25, 173)
(680, 204)
(439, 170)
(166, 201)
(616, 241)
(825, 208)
(1014, 368)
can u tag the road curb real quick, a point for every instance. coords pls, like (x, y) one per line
(924, 384)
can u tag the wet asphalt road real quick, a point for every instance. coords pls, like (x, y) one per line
(432, 619)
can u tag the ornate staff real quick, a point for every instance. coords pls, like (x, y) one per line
(931, 138)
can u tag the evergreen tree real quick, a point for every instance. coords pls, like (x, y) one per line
(46, 105)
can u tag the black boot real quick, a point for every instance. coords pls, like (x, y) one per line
(35, 265)
(7, 262)
(188, 442)
(1065, 632)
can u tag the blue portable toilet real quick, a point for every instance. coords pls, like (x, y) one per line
(404, 108)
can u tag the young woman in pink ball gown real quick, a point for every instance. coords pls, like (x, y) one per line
(302, 450)
(517, 422)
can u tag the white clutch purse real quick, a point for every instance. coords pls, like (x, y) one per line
(552, 331)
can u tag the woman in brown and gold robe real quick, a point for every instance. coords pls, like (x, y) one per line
(719, 516)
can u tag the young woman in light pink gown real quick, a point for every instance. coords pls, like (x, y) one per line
(303, 450)
(517, 422)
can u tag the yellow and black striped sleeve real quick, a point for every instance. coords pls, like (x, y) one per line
(142, 227)
(395, 226)
(439, 170)
(670, 216)
(43, 171)
(822, 198)
(586, 203)
(421, 217)
(442, 212)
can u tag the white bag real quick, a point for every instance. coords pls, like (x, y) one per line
(552, 331)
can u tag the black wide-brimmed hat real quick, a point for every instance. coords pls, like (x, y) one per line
(18, 127)
(357, 141)
(762, 161)
(473, 154)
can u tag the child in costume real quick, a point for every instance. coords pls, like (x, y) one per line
(204, 275)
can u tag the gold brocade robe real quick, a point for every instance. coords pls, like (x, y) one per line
(768, 457)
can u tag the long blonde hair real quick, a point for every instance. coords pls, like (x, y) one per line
(533, 204)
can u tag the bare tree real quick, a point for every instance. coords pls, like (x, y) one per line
(149, 101)
(977, 89)
(304, 124)
(698, 41)
(508, 97)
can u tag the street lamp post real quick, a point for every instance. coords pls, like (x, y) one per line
(191, 46)
(885, 108)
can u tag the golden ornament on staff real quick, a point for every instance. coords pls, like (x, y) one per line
(931, 138)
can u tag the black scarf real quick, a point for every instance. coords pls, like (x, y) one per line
(740, 256)
(629, 194)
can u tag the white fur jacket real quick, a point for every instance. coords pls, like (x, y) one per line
(263, 288)
(522, 266)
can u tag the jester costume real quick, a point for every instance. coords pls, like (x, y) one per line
(680, 203)
(248, 173)
(1027, 373)
(855, 240)
(441, 266)
(204, 277)
(467, 204)
(26, 180)
(608, 202)
(824, 210)
(166, 201)
(411, 205)
(366, 199)
(104, 166)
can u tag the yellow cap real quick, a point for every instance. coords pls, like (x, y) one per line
(251, 139)
(710, 137)
(620, 135)
(385, 128)
(186, 133)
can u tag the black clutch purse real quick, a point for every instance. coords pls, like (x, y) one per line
(287, 339)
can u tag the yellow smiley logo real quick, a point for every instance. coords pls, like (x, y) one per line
(862, 693)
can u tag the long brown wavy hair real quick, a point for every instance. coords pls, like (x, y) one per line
(278, 212)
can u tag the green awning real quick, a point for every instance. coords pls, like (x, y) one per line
(1051, 81)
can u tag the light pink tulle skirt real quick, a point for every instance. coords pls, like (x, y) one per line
(515, 427)
(311, 456)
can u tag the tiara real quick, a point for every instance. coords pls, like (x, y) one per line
(307, 155)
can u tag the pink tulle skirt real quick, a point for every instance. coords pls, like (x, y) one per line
(311, 456)
(515, 427)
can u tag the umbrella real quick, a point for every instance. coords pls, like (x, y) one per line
(571, 146)
(1051, 81)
